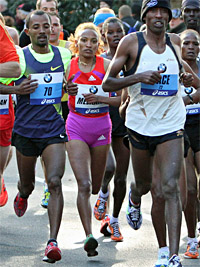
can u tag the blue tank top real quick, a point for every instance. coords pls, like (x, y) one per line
(38, 121)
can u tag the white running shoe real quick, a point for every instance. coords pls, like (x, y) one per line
(174, 261)
(163, 259)
(133, 215)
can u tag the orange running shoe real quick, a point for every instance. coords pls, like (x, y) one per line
(192, 251)
(3, 194)
(104, 225)
(100, 208)
(116, 235)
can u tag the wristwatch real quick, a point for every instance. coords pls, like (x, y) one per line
(191, 99)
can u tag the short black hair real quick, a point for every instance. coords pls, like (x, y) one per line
(111, 20)
(35, 12)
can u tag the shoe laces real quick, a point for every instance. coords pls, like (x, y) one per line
(102, 204)
(134, 213)
(175, 260)
(46, 195)
(193, 246)
(115, 227)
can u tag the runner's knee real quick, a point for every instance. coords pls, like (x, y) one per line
(171, 189)
(54, 183)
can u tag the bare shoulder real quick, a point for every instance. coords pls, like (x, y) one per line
(129, 40)
(175, 38)
(14, 34)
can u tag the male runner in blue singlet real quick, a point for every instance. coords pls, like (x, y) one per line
(39, 129)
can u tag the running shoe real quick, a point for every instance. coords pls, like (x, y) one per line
(116, 235)
(163, 259)
(52, 253)
(133, 215)
(90, 246)
(192, 251)
(3, 194)
(104, 225)
(20, 205)
(45, 199)
(174, 261)
(100, 208)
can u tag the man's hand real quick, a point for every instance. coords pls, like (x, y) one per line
(150, 77)
(91, 98)
(187, 79)
(26, 87)
(71, 88)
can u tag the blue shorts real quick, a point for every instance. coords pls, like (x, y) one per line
(94, 131)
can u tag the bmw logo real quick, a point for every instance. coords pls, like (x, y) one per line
(47, 78)
(162, 67)
(93, 89)
(188, 90)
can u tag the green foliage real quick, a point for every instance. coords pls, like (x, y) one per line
(73, 12)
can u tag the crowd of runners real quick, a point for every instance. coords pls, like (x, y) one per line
(110, 93)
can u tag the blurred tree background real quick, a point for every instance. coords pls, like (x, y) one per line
(73, 12)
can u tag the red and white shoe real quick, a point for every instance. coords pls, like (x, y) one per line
(52, 253)
(104, 225)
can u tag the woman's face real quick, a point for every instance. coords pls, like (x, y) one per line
(190, 47)
(88, 43)
(114, 33)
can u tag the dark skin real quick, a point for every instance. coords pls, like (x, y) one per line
(191, 17)
(190, 51)
(53, 155)
(39, 32)
(156, 21)
(88, 163)
(113, 34)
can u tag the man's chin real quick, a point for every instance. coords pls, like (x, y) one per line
(42, 44)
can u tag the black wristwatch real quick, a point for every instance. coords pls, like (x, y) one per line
(191, 99)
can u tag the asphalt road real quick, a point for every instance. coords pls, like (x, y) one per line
(23, 240)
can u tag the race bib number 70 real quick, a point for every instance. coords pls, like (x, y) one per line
(49, 90)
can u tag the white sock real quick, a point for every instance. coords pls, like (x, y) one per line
(45, 185)
(113, 219)
(163, 250)
(101, 194)
(191, 240)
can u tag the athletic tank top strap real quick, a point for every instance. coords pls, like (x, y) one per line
(99, 64)
(98, 70)
(141, 44)
(34, 66)
(169, 43)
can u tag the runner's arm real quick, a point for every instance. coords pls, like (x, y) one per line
(10, 69)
